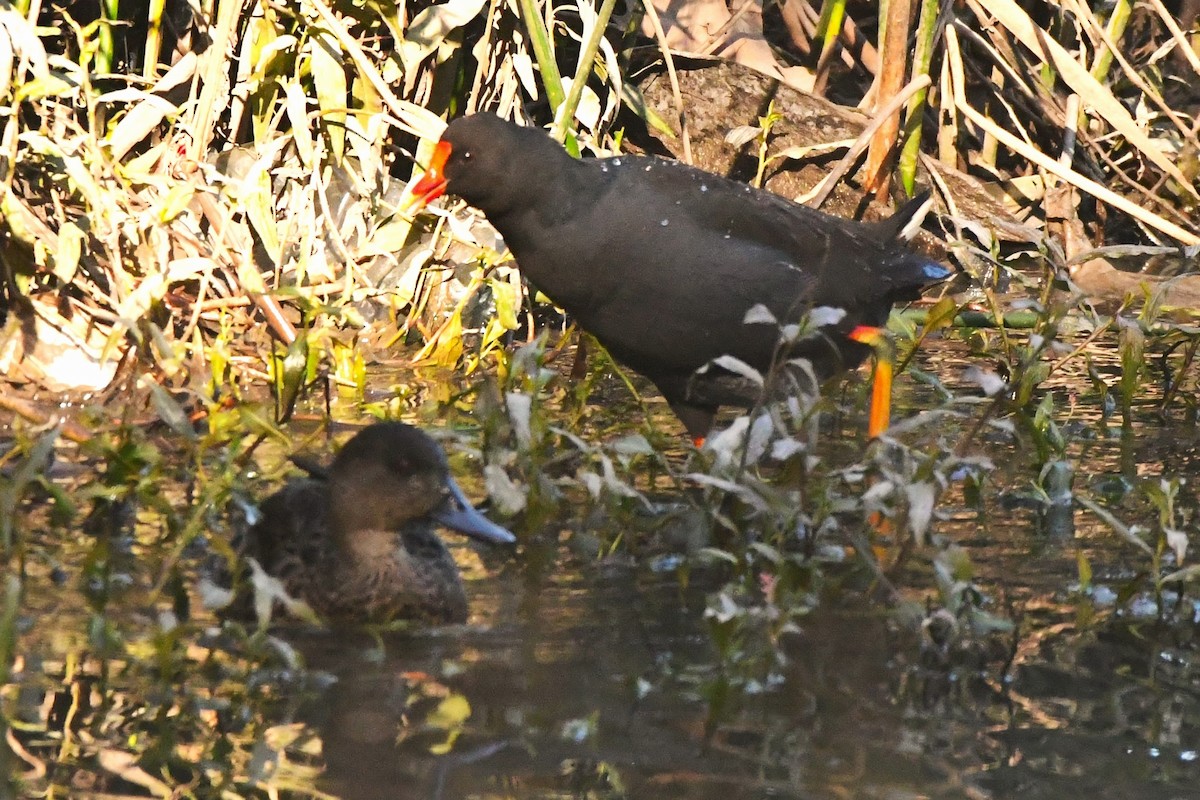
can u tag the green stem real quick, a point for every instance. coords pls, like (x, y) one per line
(110, 11)
(153, 39)
(829, 27)
(926, 29)
(587, 60)
(1014, 320)
(1117, 22)
(543, 51)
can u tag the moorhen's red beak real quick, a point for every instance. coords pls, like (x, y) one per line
(432, 184)
(881, 387)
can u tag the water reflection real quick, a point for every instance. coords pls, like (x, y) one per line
(595, 687)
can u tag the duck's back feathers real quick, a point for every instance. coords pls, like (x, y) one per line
(395, 574)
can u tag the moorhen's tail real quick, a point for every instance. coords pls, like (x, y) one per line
(315, 469)
(904, 224)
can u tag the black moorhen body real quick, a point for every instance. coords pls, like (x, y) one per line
(661, 261)
(356, 541)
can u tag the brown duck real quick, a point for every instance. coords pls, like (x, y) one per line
(356, 540)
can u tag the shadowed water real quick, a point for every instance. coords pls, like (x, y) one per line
(596, 679)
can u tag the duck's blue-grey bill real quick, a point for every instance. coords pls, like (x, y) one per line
(458, 514)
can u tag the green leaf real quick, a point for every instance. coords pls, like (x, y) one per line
(170, 412)
(1132, 345)
(1085, 570)
(942, 314)
(291, 378)
(333, 96)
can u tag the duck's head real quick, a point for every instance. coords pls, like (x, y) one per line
(392, 474)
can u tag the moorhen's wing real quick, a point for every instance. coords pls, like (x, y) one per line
(847, 264)
(665, 262)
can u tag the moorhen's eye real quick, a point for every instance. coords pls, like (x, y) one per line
(466, 155)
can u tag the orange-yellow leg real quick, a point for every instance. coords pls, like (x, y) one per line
(881, 387)
(881, 408)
